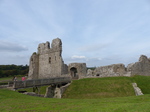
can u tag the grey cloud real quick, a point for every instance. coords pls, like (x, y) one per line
(11, 47)
(94, 47)
(14, 58)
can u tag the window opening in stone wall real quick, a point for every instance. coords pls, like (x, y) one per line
(97, 74)
(55, 58)
(49, 60)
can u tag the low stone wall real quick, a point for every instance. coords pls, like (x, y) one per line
(39, 82)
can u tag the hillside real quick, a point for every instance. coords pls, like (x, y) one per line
(106, 87)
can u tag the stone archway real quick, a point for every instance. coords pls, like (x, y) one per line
(74, 72)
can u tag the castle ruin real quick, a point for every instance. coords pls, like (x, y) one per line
(142, 67)
(47, 62)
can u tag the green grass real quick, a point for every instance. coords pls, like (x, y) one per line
(85, 95)
(103, 87)
(5, 80)
(11, 101)
(143, 82)
(106, 87)
(100, 88)
(10, 78)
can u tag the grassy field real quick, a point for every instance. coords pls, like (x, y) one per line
(5, 80)
(107, 95)
(10, 78)
(11, 101)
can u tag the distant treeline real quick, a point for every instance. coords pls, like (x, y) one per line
(13, 70)
(92, 68)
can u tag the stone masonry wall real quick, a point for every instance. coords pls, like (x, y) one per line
(142, 67)
(77, 70)
(47, 62)
(110, 70)
(33, 66)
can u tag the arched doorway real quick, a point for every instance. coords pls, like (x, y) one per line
(74, 72)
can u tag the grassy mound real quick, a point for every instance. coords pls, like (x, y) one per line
(100, 88)
(106, 87)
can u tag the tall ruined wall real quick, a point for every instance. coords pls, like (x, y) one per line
(110, 70)
(33, 66)
(48, 62)
(142, 67)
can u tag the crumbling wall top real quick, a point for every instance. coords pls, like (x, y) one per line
(56, 44)
(43, 47)
(143, 58)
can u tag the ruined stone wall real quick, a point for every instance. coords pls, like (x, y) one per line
(77, 70)
(47, 62)
(142, 67)
(110, 70)
(33, 66)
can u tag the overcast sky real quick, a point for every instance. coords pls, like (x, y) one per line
(96, 32)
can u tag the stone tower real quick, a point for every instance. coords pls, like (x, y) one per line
(47, 62)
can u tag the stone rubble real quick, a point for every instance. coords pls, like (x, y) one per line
(137, 89)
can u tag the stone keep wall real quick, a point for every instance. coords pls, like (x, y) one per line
(47, 62)
(33, 66)
(142, 67)
(77, 70)
(110, 70)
